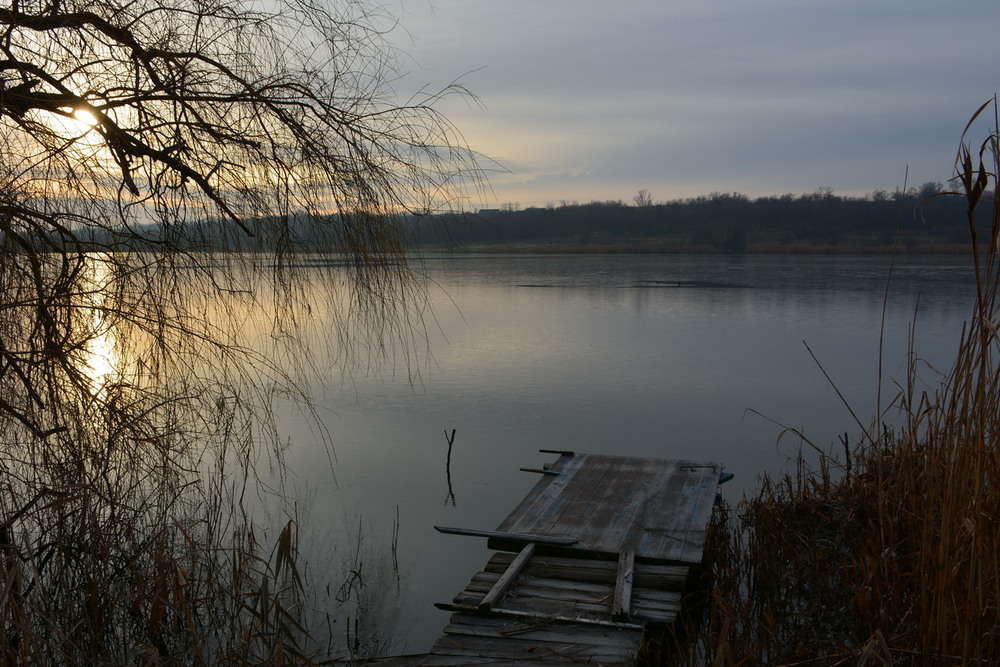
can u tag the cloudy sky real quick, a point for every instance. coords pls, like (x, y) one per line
(584, 100)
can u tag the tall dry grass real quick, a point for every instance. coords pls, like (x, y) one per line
(143, 517)
(885, 551)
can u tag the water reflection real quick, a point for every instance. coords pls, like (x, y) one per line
(586, 364)
(101, 362)
(592, 363)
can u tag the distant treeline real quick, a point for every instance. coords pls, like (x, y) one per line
(924, 219)
(921, 218)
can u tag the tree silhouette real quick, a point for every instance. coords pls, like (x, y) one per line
(643, 198)
(163, 168)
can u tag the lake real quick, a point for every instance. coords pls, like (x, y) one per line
(692, 357)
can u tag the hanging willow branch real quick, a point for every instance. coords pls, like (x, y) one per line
(166, 169)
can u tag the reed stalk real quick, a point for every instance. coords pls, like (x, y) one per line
(888, 552)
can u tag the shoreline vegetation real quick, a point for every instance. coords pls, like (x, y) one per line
(924, 220)
(668, 247)
(883, 548)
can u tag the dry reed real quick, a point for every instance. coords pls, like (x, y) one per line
(887, 551)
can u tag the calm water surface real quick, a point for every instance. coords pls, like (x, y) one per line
(593, 354)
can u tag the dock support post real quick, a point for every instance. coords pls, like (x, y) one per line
(621, 608)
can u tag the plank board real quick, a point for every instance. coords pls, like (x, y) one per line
(647, 575)
(512, 572)
(635, 523)
(621, 607)
(566, 598)
(471, 639)
(660, 509)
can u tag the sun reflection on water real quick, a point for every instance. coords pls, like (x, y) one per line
(101, 357)
(101, 361)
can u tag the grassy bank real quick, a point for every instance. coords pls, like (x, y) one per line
(884, 549)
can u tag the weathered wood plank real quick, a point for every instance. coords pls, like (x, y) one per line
(644, 597)
(563, 587)
(510, 537)
(655, 615)
(513, 651)
(438, 660)
(540, 471)
(636, 524)
(661, 516)
(674, 519)
(494, 626)
(647, 575)
(507, 578)
(546, 653)
(559, 608)
(468, 661)
(540, 598)
(579, 501)
(410, 660)
(621, 606)
(641, 613)
(575, 645)
(563, 598)
(546, 491)
(645, 605)
(646, 608)
(657, 508)
(601, 493)
(622, 501)
(536, 618)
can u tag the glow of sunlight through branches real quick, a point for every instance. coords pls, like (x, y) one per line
(77, 125)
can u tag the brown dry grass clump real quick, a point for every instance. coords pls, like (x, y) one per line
(887, 552)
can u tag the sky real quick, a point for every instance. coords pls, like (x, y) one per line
(579, 100)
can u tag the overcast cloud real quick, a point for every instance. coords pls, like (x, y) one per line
(586, 100)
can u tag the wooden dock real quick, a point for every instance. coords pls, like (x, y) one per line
(599, 551)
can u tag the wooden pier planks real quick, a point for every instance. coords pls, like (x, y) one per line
(471, 639)
(624, 532)
(657, 508)
(571, 587)
(664, 577)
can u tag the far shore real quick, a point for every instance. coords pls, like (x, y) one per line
(655, 247)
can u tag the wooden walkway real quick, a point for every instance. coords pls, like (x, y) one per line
(597, 552)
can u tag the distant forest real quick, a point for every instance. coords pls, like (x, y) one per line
(920, 220)
(924, 219)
